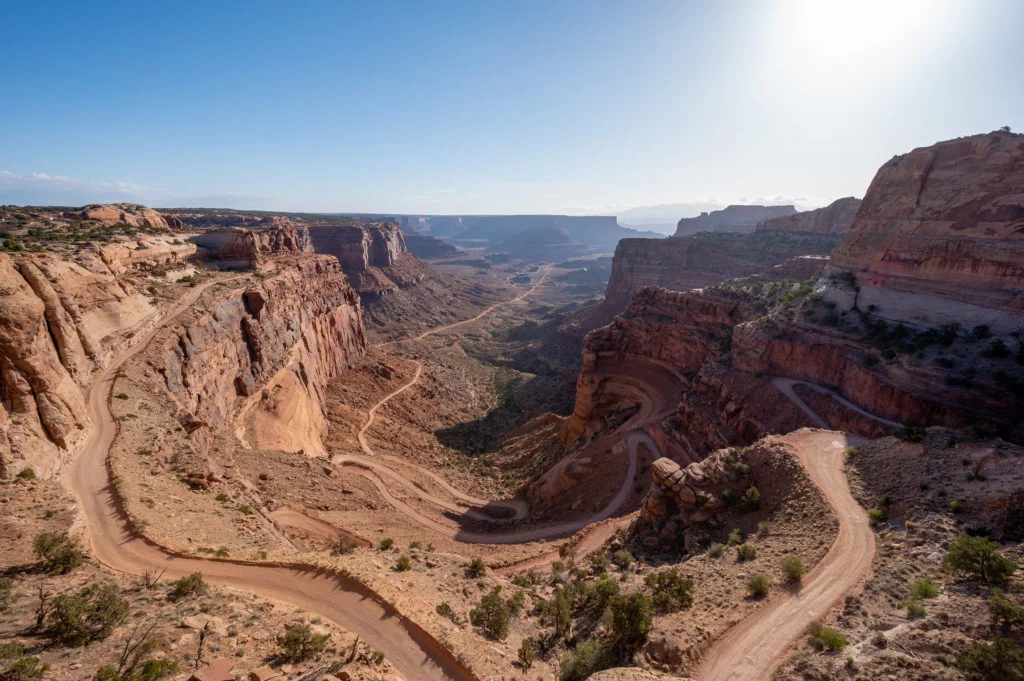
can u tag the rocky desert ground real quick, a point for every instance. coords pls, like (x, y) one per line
(779, 444)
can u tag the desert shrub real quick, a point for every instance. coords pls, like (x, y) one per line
(716, 550)
(587, 658)
(606, 590)
(1004, 611)
(977, 558)
(670, 591)
(414, 545)
(912, 431)
(222, 552)
(923, 588)
(28, 668)
(492, 615)
(444, 610)
(343, 547)
(557, 611)
(386, 544)
(825, 638)
(1001, 660)
(190, 585)
(527, 654)
(793, 568)
(476, 568)
(876, 515)
(403, 564)
(996, 349)
(631, 617)
(516, 603)
(763, 528)
(758, 586)
(623, 559)
(58, 553)
(90, 615)
(736, 537)
(300, 643)
(956, 506)
(6, 592)
(915, 609)
(121, 396)
(26, 474)
(745, 552)
(600, 562)
(139, 669)
(752, 499)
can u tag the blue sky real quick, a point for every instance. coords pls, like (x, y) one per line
(490, 107)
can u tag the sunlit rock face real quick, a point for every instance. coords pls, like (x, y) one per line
(939, 237)
(835, 218)
(373, 255)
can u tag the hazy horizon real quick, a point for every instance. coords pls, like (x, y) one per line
(471, 108)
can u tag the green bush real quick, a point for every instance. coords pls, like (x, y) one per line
(587, 658)
(403, 564)
(977, 558)
(793, 568)
(26, 474)
(476, 568)
(492, 615)
(139, 669)
(27, 668)
(1001, 660)
(623, 559)
(923, 588)
(527, 654)
(6, 592)
(915, 609)
(90, 615)
(716, 550)
(58, 553)
(300, 643)
(876, 515)
(631, 617)
(758, 586)
(745, 552)
(386, 544)
(670, 591)
(752, 499)
(737, 537)
(1004, 611)
(190, 585)
(956, 506)
(825, 638)
(343, 547)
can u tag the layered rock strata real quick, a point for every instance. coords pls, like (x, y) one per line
(127, 213)
(939, 237)
(373, 255)
(734, 218)
(251, 249)
(835, 218)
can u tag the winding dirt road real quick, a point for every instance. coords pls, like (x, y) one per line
(751, 650)
(413, 651)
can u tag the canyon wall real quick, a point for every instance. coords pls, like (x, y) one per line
(251, 249)
(731, 219)
(835, 218)
(373, 255)
(127, 213)
(60, 321)
(273, 345)
(699, 260)
(939, 237)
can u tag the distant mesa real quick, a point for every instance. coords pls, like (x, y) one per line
(835, 218)
(372, 254)
(238, 248)
(734, 218)
(126, 213)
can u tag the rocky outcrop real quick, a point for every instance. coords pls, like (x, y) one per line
(251, 249)
(127, 213)
(702, 259)
(731, 219)
(232, 219)
(284, 337)
(835, 218)
(427, 247)
(939, 237)
(373, 255)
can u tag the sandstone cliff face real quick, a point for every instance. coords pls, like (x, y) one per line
(130, 214)
(373, 255)
(701, 260)
(238, 248)
(275, 345)
(731, 219)
(835, 218)
(60, 321)
(939, 237)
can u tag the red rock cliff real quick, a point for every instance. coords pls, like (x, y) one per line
(834, 218)
(939, 237)
(373, 255)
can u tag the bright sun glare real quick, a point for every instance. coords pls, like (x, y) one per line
(853, 31)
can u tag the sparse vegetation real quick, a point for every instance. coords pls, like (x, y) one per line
(386, 544)
(403, 564)
(623, 559)
(492, 615)
(826, 638)
(793, 568)
(758, 586)
(6, 593)
(1001, 660)
(587, 658)
(58, 553)
(745, 552)
(631, 617)
(527, 654)
(476, 568)
(301, 643)
(716, 550)
(977, 558)
(188, 586)
(670, 591)
(90, 615)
